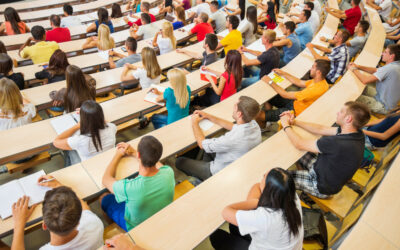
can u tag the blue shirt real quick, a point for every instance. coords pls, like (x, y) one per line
(388, 85)
(305, 33)
(109, 24)
(177, 25)
(381, 127)
(292, 52)
(175, 112)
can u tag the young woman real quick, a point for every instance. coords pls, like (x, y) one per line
(236, 8)
(6, 71)
(271, 215)
(249, 26)
(102, 13)
(103, 41)
(268, 19)
(176, 98)
(180, 18)
(91, 136)
(134, 6)
(4, 50)
(165, 39)
(165, 7)
(56, 69)
(380, 132)
(13, 24)
(116, 11)
(149, 74)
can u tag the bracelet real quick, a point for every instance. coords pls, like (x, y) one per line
(284, 129)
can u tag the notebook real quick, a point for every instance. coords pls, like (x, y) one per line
(151, 97)
(13, 190)
(64, 122)
(203, 77)
(276, 78)
(205, 124)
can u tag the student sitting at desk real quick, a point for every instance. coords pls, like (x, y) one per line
(133, 57)
(350, 17)
(290, 43)
(314, 18)
(267, 19)
(384, 8)
(185, 4)
(249, 27)
(333, 159)
(165, 7)
(209, 54)
(4, 50)
(103, 41)
(180, 20)
(202, 27)
(201, 7)
(132, 201)
(145, 9)
(165, 39)
(57, 34)
(68, 219)
(134, 6)
(270, 217)
(146, 30)
(102, 14)
(304, 30)
(6, 71)
(217, 17)
(12, 23)
(116, 11)
(56, 68)
(235, 8)
(220, 152)
(233, 40)
(69, 20)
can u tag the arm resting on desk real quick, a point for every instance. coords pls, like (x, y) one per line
(229, 212)
(385, 135)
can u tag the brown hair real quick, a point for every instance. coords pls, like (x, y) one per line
(248, 107)
(394, 49)
(10, 98)
(92, 121)
(150, 150)
(233, 65)
(11, 15)
(58, 63)
(180, 14)
(203, 17)
(323, 66)
(360, 113)
(150, 63)
(116, 11)
(55, 20)
(6, 64)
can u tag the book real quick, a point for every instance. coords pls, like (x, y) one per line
(276, 78)
(64, 122)
(13, 190)
(151, 97)
(203, 77)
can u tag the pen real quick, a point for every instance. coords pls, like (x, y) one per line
(48, 180)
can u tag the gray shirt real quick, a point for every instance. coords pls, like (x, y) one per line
(388, 86)
(129, 59)
(231, 146)
(356, 44)
(219, 18)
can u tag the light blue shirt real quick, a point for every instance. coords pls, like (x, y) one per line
(305, 33)
(388, 86)
(293, 51)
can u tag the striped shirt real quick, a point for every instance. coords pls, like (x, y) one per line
(339, 59)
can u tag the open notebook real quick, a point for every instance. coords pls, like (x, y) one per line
(151, 97)
(64, 122)
(276, 78)
(13, 190)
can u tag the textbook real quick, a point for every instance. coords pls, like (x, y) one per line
(64, 122)
(203, 77)
(275, 77)
(13, 190)
(151, 97)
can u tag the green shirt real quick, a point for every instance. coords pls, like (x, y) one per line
(145, 195)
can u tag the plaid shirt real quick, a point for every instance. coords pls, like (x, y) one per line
(339, 60)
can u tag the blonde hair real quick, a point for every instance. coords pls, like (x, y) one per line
(270, 35)
(10, 98)
(178, 83)
(105, 41)
(168, 31)
(150, 63)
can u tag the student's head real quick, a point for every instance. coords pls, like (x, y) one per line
(10, 98)
(245, 109)
(61, 210)
(6, 64)
(233, 65)
(341, 37)
(391, 53)
(58, 63)
(353, 114)
(180, 13)
(289, 27)
(145, 7)
(320, 68)
(3, 48)
(116, 11)
(309, 6)
(78, 90)
(149, 151)
(92, 121)
(203, 17)
(38, 33)
(355, 2)
(362, 26)
(131, 44)
(232, 22)
(211, 41)
(105, 40)
(268, 37)
(55, 20)
(251, 16)
(68, 10)
(168, 31)
(146, 19)
(177, 79)
(279, 194)
(11, 15)
(214, 6)
(150, 63)
(305, 15)
(102, 14)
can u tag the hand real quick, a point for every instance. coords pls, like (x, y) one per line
(51, 184)
(285, 120)
(242, 49)
(130, 66)
(204, 68)
(201, 113)
(196, 118)
(278, 71)
(290, 115)
(125, 149)
(322, 38)
(266, 79)
(119, 242)
(126, 19)
(179, 50)
(56, 103)
(155, 91)
(21, 212)
(310, 45)
(352, 66)
(111, 53)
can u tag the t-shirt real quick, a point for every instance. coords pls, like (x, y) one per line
(175, 112)
(269, 60)
(353, 16)
(18, 79)
(40, 52)
(356, 44)
(109, 24)
(293, 51)
(145, 195)
(386, 6)
(90, 234)
(21, 27)
(147, 31)
(314, 21)
(129, 59)
(208, 59)
(304, 33)
(203, 7)
(381, 127)
(70, 21)
(219, 18)
(309, 94)
(144, 80)
(44, 74)
(232, 41)
(8, 121)
(268, 229)
(247, 30)
(186, 4)
(230, 87)
(58, 35)
(202, 29)
(177, 25)
(84, 143)
(339, 158)
(139, 21)
(164, 44)
(388, 85)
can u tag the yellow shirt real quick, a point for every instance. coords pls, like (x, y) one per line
(309, 94)
(232, 41)
(40, 52)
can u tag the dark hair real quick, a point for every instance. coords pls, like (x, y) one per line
(234, 20)
(116, 11)
(102, 14)
(180, 14)
(364, 25)
(251, 15)
(290, 25)
(394, 49)
(68, 9)
(6, 64)
(145, 5)
(92, 121)
(307, 14)
(38, 32)
(215, 4)
(3, 48)
(248, 107)
(11, 15)
(55, 20)
(233, 65)
(345, 35)
(271, 11)
(356, 2)
(310, 5)
(150, 150)
(61, 210)
(211, 40)
(58, 63)
(280, 194)
(323, 66)
(242, 7)
(146, 18)
(131, 43)
(360, 113)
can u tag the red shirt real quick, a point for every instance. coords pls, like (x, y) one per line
(202, 29)
(58, 35)
(139, 21)
(353, 16)
(230, 86)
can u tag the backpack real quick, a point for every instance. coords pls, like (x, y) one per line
(314, 226)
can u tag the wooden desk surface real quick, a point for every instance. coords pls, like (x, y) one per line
(34, 4)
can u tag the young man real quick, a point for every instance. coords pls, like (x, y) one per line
(338, 56)
(333, 159)
(297, 100)
(132, 201)
(68, 219)
(202, 27)
(267, 60)
(57, 34)
(201, 7)
(69, 20)
(221, 151)
(209, 54)
(234, 39)
(41, 51)
(304, 30)
(290, 44)
(384, 8)
(133, 57)
(387, 78)
(145, 8)
(351, 16)
(314, 18)
(146, 30)
(217, 16)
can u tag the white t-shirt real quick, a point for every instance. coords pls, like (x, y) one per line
(164, 44)
(90, 234)
(147, 31)
(386, 6)
(83, 144)
(70, 21)
(317, 7)
(268, 230)
(7, 121)
(144, 80)
(203, 7)
(247, 30)
(220, 21)
(314, 21)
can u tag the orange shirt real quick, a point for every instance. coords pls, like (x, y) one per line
(10, 31)
(309, 94)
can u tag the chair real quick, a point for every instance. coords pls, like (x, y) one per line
(182, 188)
(112, 230)
(108, 97)
(371, 186)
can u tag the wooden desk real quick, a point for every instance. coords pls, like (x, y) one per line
(24, 6)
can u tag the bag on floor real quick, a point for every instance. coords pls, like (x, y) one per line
(315, 226)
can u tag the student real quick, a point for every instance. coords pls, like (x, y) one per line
(314, 18)
(116, 11)
(91, 136)
(176, 98)
(387, 78)
(233, 40)
(180, 18)
(103, 41)
(134, 6)
(304, 31)
(209, 54)
(6, 71)
(69, 20)
(68, 219)
(351, 16)
(267, 19)
(149, 74)
(235, 9)
(12, 23)
(241, 138)
(338, 56)
(384, 8)
(165, 39)
(102, 14)
(295, 100)
(201, 7)
(15, 111)
(132, 201)
(267, 60)
(41, 51)
(57, 34)
(185, 4)
(165, 7)
(133, 57)
(56, 69)
(145, 6)
(392, 37)
(217, 17)
(249, 27)
(146, 30)
(290, 45)
(271, 215)
(202, 27)
(392, 24)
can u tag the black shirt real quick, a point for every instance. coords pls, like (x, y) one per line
(18, 78)
(340, 157)
(44, 74)
(208, 59)
(269, 60)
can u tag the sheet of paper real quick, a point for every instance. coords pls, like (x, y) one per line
(187, 28)
(31, 188)
(9, 194)
(103, 54)
(154, 10)
(151, 97)
(207, 73)
(205, 124)
(64, 122)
